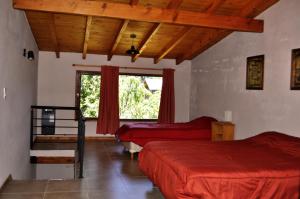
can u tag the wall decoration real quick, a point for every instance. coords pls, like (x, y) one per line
(295, 71)
(255, 72)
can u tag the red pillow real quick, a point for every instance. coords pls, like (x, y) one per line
(286, 143)
(204, 122)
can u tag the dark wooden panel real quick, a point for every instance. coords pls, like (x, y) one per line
(52, 160)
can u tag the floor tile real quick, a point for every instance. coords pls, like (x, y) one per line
(130, 168)
(23, 186)
(22, 196)
(148, 194)
(117, 194)
(136, 181)
(67, 195)
(106, 184)
(66, 185)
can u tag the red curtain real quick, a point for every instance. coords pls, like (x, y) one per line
(167, 101)
(108, 119)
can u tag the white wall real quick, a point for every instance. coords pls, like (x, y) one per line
(219, 76)
(19, 77)
(56, 79)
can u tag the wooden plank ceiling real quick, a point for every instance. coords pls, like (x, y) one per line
(174, 29)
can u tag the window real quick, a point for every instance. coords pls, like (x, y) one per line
(88, 93)
(139, 95)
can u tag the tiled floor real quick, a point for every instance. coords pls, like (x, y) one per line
(109, 174)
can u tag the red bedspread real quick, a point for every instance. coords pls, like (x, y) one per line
(261, 167)
(142, 133)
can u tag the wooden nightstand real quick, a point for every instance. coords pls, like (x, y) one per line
(222, 131)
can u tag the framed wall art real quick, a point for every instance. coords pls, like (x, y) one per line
(295, 70)
(255, 72)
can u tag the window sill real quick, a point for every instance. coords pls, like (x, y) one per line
(126, 120)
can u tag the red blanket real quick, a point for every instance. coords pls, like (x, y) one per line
(142, 133)
(264, 166)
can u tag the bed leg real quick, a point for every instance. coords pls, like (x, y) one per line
(131, 156)
(125, 149)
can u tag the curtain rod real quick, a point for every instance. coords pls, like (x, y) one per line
(123, 67)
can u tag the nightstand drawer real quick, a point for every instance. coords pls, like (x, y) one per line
(222, 131)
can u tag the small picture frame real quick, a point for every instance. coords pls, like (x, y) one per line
(295, 70)
(255, 73)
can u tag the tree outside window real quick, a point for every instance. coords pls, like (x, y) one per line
(139, 95)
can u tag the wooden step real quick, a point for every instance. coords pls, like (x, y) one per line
(56, 138)
(52, 160)
(52, 156)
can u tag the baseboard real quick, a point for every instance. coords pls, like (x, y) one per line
(7, 180)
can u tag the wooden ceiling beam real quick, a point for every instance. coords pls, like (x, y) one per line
(141, 13)
(174, 4)
(172, 44)
(117, 39)
(134, 2)
(214, 6)
(54, 35)
(147, 39)
(87, 36)
(252, 9)
(207, 40)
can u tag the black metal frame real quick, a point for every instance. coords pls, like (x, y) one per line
(80, 133)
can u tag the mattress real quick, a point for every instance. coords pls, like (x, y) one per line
(142, 133)
(263, 166)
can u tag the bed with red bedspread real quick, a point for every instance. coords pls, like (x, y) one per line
(142, 133)
(266, 166)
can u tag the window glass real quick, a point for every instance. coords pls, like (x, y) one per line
(89, 95)
(139, 95)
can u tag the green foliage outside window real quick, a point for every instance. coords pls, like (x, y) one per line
(89, 95)
(136, 100)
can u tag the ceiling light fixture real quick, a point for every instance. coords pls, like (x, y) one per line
(132, 51)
